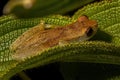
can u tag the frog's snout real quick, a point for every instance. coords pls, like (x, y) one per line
(94, 25)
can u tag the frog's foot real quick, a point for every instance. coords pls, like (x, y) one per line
(41, 26)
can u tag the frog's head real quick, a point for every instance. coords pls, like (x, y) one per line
(89, 27)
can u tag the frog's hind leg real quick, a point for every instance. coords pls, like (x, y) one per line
(26, 35)
(43, 25)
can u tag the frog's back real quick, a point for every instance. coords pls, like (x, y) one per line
(38, 42)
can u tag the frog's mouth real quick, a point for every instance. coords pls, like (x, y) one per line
(83, 38)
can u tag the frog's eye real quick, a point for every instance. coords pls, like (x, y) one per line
(89, 32)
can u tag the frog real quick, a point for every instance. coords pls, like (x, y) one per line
(37, 39)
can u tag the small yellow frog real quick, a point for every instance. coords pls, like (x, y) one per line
(37, 39)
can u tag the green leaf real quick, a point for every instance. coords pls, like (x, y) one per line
(104, 47)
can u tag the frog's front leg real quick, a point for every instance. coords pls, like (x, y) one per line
(63, 42)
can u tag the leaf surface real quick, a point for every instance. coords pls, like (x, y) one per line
(104, 47)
